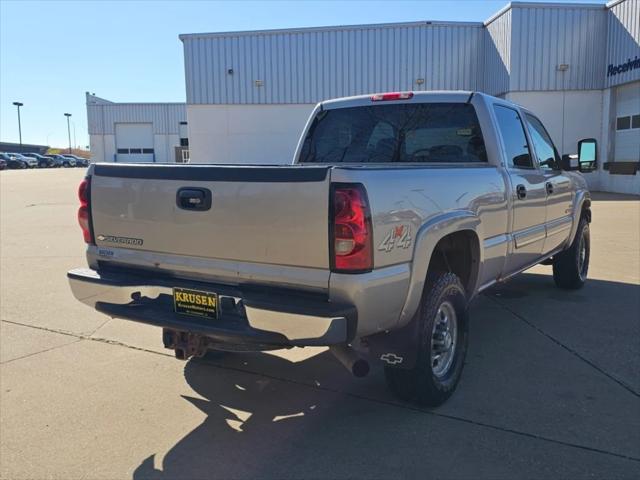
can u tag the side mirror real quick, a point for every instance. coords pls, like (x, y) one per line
(587, 155)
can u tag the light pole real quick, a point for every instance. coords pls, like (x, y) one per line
(19, 104)
(68, 130)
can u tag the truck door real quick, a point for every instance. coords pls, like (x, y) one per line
(557, 185)
(528, 194)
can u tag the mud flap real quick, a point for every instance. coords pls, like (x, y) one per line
(397, 348)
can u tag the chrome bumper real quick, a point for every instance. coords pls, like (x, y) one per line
(280, 319)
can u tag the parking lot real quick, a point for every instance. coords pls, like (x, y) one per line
(551, 386)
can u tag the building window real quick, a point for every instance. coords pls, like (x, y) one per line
(184, 142)
(623, 123)
(134, 151)
(635, 121)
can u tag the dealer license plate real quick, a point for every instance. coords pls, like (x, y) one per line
(195, 302)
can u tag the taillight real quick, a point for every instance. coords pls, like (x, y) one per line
(382, 97)
(351, 234)
(84, 215)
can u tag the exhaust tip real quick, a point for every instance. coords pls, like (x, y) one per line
(358, 366)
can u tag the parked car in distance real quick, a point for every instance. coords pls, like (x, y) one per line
(412, 205)
(3, 164)
(43, 161)
(63, 161)
(80, 162)
(57, 163)
(13, 162)
(30, 161)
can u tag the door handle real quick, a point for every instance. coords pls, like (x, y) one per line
(521, 192)
(549, 187)
(192, 198)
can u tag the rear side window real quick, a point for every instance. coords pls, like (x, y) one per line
(515, 141)
(418, 132)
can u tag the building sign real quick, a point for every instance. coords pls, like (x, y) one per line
(623, 67)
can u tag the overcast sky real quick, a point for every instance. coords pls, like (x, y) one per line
(52, 52)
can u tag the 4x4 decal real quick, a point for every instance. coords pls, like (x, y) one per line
(398, 237)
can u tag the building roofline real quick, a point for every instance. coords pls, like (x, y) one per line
(190, 36)
(557, 5)
(518, 4)
(151, 104)
(495, 16)
(16, 144)
(613, 3)
(95, 101)
(498, 14)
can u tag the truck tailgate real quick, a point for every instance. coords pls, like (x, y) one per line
(265, 214)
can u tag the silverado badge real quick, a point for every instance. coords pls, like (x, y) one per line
(121, 240)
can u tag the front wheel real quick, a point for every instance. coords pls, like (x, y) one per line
(444, 335)
(570, 267)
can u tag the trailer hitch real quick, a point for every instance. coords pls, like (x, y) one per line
(184, 344)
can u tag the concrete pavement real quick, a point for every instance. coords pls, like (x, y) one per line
(551, 387)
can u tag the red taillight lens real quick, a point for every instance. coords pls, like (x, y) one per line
(382, 97)
(351, 230)
(84, 219)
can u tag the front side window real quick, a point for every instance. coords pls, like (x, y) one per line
(513, 136)
(546, 153)
(407, 133)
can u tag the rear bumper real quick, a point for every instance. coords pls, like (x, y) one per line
(246, 318)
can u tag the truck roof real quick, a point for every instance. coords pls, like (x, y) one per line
(433, 96)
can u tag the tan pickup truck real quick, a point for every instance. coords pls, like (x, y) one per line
(398, 209)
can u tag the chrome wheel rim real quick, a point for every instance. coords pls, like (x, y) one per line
(582, 257)
(444, 337)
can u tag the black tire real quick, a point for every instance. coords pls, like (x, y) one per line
(421, 384)
(570, 267)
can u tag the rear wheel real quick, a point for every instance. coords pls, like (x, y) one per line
(570, 267)
(444, 332)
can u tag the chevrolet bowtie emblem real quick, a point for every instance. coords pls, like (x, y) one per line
(391, 358)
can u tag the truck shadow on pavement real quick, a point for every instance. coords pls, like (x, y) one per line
(528, 370)
(255, 424)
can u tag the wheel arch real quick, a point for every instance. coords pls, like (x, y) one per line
(581, 207)
(461, 227)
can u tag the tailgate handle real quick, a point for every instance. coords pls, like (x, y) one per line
(193, 198)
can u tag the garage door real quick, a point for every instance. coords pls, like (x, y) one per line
(627, 138)
(134, 142)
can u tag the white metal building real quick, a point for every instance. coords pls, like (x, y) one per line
(576, 65)
(249, 93)
(136, 132)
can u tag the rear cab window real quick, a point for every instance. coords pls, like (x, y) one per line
(403, 133)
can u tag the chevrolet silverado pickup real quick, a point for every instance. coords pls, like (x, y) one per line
(396, 211)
